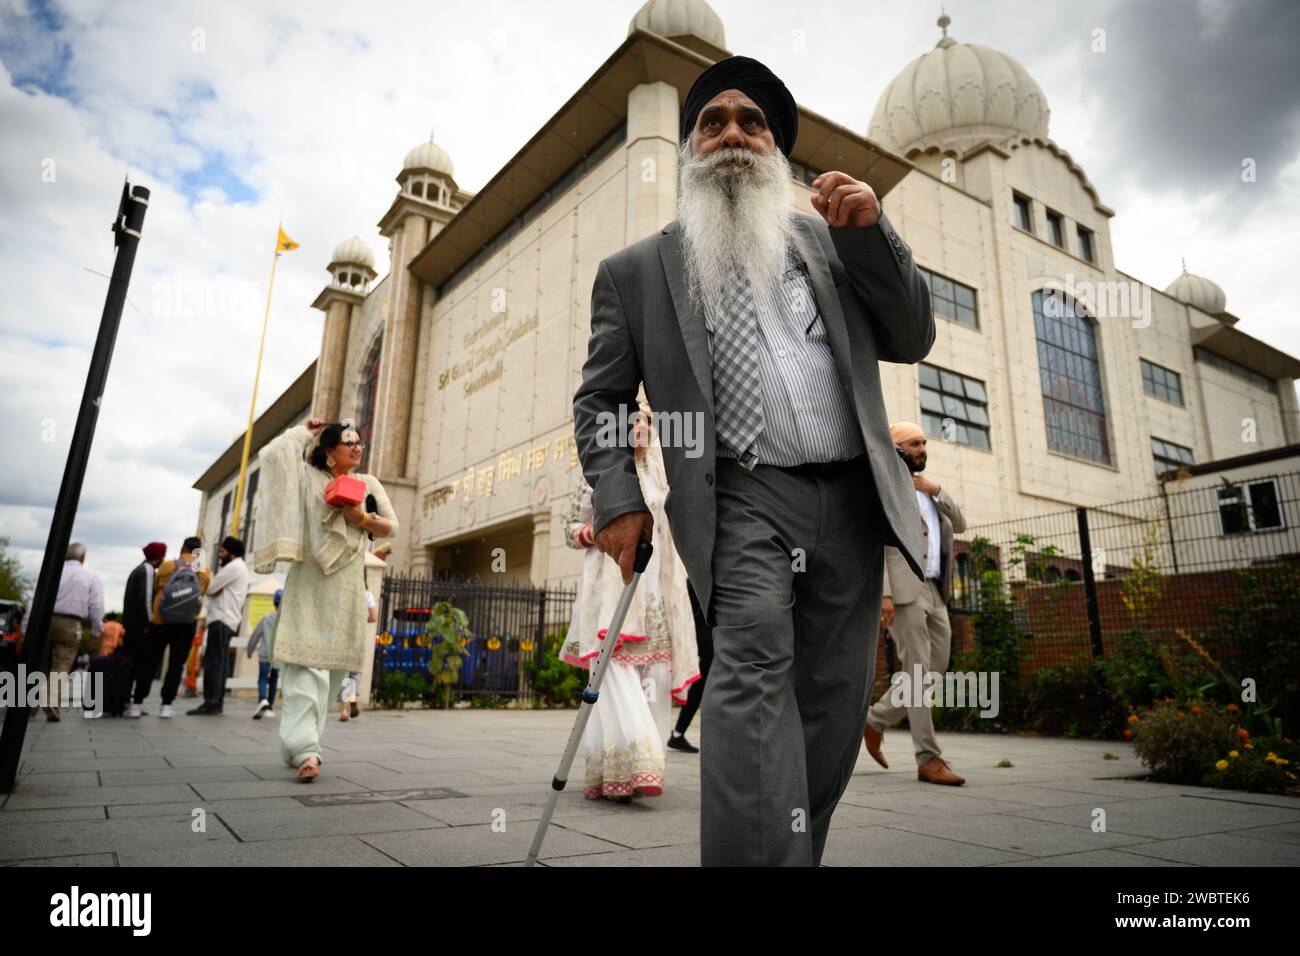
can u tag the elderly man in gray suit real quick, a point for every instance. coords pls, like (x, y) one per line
(916, 612)
(764, 327)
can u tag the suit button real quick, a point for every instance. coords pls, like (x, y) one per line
(708, 478)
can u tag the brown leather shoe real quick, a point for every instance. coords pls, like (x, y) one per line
(873, 738)
(935, 770)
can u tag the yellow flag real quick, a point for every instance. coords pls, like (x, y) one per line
(284, 243)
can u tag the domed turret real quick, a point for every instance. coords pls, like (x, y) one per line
(354, 251)
(428, 156)
(1198, 292)
(427, 173)
(683, 21)
(352, 265)
(957, 96)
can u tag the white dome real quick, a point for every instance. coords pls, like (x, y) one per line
(354, 252)
(428, 155)
(956, 96)
(1198, 292)
(673, 18)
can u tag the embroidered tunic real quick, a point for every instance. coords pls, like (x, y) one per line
(323, 614)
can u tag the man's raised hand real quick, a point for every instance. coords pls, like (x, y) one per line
(844, 201)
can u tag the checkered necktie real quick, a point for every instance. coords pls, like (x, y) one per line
(737, 397)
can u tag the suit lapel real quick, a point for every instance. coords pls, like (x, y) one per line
(694, 334)
(828, 300)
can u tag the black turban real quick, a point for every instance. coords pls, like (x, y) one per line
(758, 83)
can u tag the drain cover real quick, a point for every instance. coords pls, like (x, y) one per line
(378, 796)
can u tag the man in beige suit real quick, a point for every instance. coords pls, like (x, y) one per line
(916, 612)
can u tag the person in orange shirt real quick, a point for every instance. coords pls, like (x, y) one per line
(111, 637)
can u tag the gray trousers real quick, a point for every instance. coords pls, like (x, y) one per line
(797, 571)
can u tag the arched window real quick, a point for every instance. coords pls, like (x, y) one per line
(1071, 377)
(366, 407)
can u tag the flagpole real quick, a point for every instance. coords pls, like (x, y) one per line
(252, 407)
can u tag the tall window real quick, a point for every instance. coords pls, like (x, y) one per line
(1169, 456)
(1071, 377)
(1086, 250)
(951, 299)
(246, 524)
(947, 395)
(1024, 212)
(366, 410)
(1056, 228)
(225, 513)
(1161, 382)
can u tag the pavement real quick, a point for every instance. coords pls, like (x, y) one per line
(466, 787)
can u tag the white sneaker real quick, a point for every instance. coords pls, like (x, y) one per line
(134, 710)
(262, 707)
(167, 711)
(270, 712)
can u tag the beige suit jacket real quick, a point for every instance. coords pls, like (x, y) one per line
(901, 585)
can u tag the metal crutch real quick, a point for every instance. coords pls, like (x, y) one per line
(589, 697)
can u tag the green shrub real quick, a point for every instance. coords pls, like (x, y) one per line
(392, 690)
(451, 625)
(418, 688)
(1179, 744)
(1267, 767)
(553, 681)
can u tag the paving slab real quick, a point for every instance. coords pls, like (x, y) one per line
(41, 840)
(335, 851)
(1222, 849)
(887, 846)
(51, 815)
(425, 787)
(481, 845)
(1168, 817)
(84, 859)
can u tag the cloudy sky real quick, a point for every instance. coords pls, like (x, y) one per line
(235, 114)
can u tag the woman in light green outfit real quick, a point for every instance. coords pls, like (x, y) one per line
(321, 632)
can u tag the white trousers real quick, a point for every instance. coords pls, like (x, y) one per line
(306, 694)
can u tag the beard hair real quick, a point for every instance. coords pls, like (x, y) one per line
(733, 218)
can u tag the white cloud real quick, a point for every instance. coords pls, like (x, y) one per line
(312, 108)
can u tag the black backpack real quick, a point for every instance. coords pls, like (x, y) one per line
(182, 597)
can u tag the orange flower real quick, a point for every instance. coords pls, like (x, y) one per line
(1196, 710)
(1243, 733)
(1128, 734)
(1181, 714)
(1133, 719)
(1232, 708)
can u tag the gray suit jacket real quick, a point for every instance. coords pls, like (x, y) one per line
(875, 305)
(900, 583)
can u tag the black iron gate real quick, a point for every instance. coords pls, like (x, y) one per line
(507, 627)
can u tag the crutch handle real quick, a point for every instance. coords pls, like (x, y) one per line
(644, 549)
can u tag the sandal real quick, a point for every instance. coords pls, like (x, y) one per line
(309, 770)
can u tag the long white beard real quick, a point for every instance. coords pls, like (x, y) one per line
(733, 217)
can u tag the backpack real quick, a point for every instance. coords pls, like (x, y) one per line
(181, 598)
